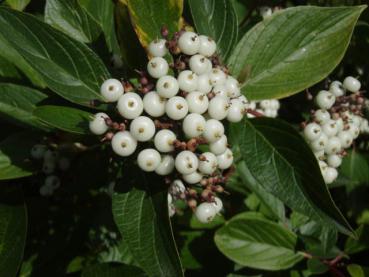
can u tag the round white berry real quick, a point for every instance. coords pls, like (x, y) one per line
(334, 160)
(189, 43)
(323, 166)
(157, 48)
(325, 99)
(265, 12)
(265, 104)
(356, 120)
(167, 86)
(220, 90)
(130, 105)
(274, 104)
(320, 143)
(218, 107)
(205, 212)
(142, 128)
(330, 128)
(333, 146)
(220, 146)
(354, 130)
(339, 124)
(177, 187)
(270, 113)
(157, 67)
(337, 88)
(170, 198)
(218, 204)
(225, 160)
(236, 110)
(98, 124)
(232, 87)
(352, 84)
(186, 162)
(217, 77)
(148, 159)
(208, 164)
(312, 131)
(193, 125)
(154, 104)
(329, 175)
(346, 138)
(176, 108)
(187, 80)
(166, 165)
(214, 130)
(199, 64)
(164, 141)
(111, 90)
(192, 178)
(52, 181)
(203, 83)
(207, 46)
(197, 102)
(321, 116)
(123, 143)
(319, 154)
(38, 151)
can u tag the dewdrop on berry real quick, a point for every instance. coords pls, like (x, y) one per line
(166, 165)
(214, 130)
(176, 108)
(123, 143)
(208, 164)
(111, 90)
(167, 86)
(157, 67)
(192, 178)
(154, 105)
(148, 159)
(142, 128)
(186, 162)
(207, 46)
(187, 81)
(189, 43)
(205, 212)
(197, 102)
(193, 125)
(130, 105)
(225, 160)
(157, 48)
(164, 141)
(98, 124)
(351, 84)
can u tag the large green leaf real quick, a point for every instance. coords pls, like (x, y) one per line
(148, 16)
(111, 270)
(103, 13)
(64, 118)
(281, 161)
(18, 103)
(18, 4)
(141, 214)
(355, 166)
(13, 230)
(68, 67)
(14, 155)
(292, 50)
(70, 18)
(250, 240)
(218, 20)
(357, 270)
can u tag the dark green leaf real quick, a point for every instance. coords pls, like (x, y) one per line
(283, 164)
(293, 49)
(250, 240)
(149, 16)
(354, 246)
(315, 266)
(18, 4)
(70, 18)
(355, 166)
(357, 270)
(218, 20)
(19, 102)
(68, 67)
(7, 69)
(141, 214)
(111, 270)
(13, 230)
(188, 257)
(64, 118)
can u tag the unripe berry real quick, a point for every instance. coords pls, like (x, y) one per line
(203, 83)
(232, 87)
(186, 162)
(98, 124)
(157, 48)
(166, 165)
(312, 131)
(189, 43)
(164, 141)
(199, 64)
(214, 130)
(205, 212)
(208, 164)
(130, 105)
(176, 108)
(187, 81)
(217, 77)
(111, 90)
(325, 99)
(197, 102)
(192, 178)
(142, 128)
(167, 86)
(225, 160)
(352, 84)
(218, 107)
(157, 67)
(38, 151)
(148, 159)
(218, 204)
(153, 104)
(123, 143)
(220, 146)
(193, 125)
(207, 46)
(236, 110)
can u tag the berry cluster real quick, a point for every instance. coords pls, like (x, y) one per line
(52, 161)
(335, 125)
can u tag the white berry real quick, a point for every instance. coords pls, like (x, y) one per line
(123, 143)
(217, 77)
(236, 110)
(164, 141)
(197, 102)
(176, 108)
(312, 131)
(157, 48)
(346, 138)
(167, 86)
(330, 128)
(322, 116)
(320, 143)
(111, 90)
(189, 43)
(199, 64)
(166, 165)
(214, 130)
(192, 178)
(52, 181)
(334, 160)
(208, 164)
(205, 212)
(98, 124)
(218, 107)
(187, 80)
(220, 146)
(218, 204)
(193, 125)
(352, 84)
(337, 88)
(207, 46)
(142, 128)
(225, 160)
(329, 175)
(154, 104)
(232, 86)
(186, 162)
(148, 159)
(203, 83)
(157, 67)
(177, 187)
(325, 99)
(130, 105)
(38, 151)
(333, 146)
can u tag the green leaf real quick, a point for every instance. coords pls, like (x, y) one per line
(18, 103)
(13, 229)
(357, 270)
(14, 155)
(70, 18)
(283, 164)
(64, 118)
(148, 16)
(19, 5)
(141, 214)
(68, 67)
(293, 49)
(355, 166)
(218, 20)
(8, 70)
(353, 246)
(250, 240)
(103, 13)
(112, 270)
